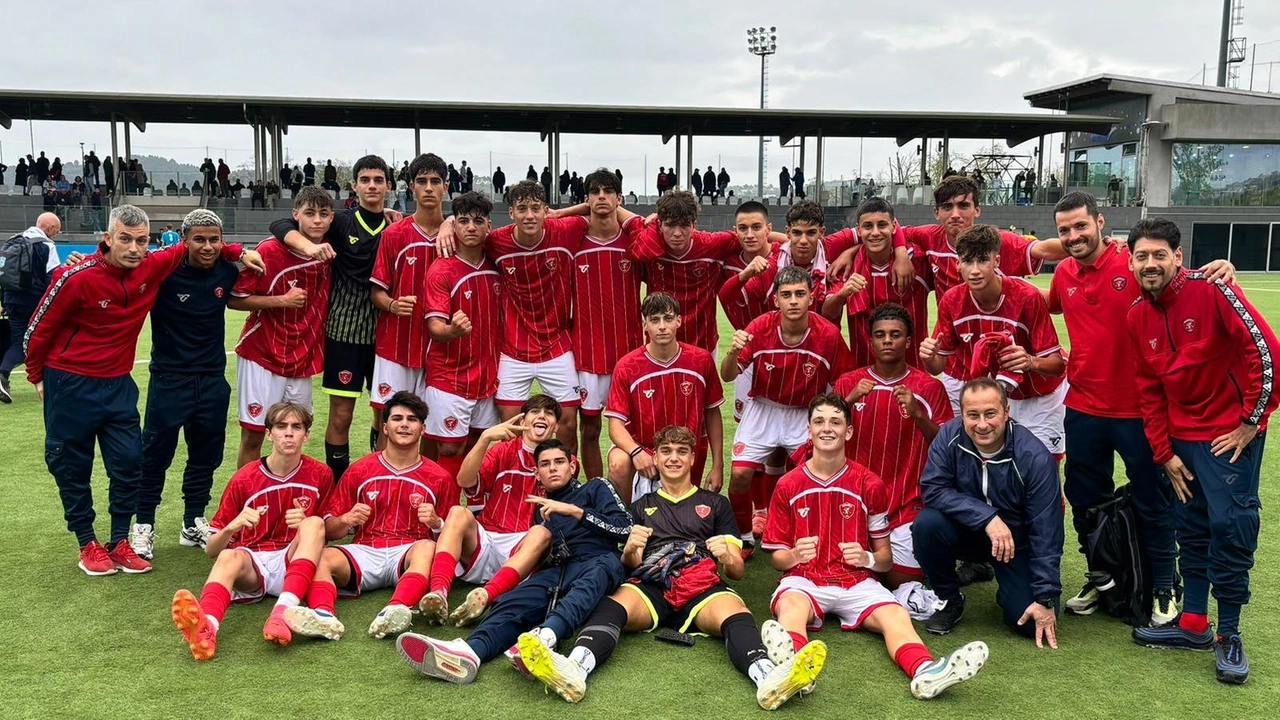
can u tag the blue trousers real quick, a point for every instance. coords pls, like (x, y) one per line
(586, 582)
(196, 405)
(77, 411)
(1092, 444)
(1218, 526)
(940, 543)
(19, 318)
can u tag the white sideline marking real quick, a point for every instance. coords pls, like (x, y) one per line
(1258, 289)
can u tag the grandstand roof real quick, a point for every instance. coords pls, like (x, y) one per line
(1059, 97)
(141, 109)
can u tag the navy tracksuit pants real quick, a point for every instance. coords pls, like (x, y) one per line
(19, 318)
(196, 405)
(77, 411)
(940, 542)
(1218, 526)
(586, 582)
(1092, 444)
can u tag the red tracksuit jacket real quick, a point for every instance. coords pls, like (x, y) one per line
(89, 319)
(1205, 362)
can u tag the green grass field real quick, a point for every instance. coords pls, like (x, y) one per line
(74, 646)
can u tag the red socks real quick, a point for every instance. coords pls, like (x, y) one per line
(798, 640)
(442, 569)
(504, 580)
(911, 656)
(741, 504)
(322, 596)
(1192, 622)
(297, 578)
(451, 464)
(409, 590)
(214, 600)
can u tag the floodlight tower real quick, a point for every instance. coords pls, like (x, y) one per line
(762, 41)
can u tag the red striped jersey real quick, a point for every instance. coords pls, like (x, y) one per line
(648, 395)
(792, 375)
(465, 366)
(693, 279)
(538, 288)
(393, 496)
(1021, 310)
(286, 341)
(886, 441)
(405, 253)
(1015, 255)
(255, 486)
(849, 506)
(606, 300)
(506, 479)
(739, 308)
(881, 289)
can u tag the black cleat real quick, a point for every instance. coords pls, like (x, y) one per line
(975, 572)
(946, 615)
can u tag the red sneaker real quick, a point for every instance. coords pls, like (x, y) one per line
(127, 560)
(277, 630)
(94, 559)
(196, 628)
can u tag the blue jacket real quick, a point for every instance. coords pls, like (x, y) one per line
(1020, 484)
(605, 522)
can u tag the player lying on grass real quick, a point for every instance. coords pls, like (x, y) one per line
(267, 536)
(828, 531)
(682, 538)
(587, 521)
(502, 546)
(391, 497)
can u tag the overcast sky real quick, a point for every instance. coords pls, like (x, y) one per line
(918, 55)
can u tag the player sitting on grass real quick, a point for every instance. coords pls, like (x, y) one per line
(587, 522)
(267, 536)
(828, 531)
(391, 497)
(500, 548)
(682, 537)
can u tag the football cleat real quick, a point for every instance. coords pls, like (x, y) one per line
(471, 609)
(276, 630)
(196, 629)
(314, 623)
(933, 678)
(391, 620)
(434, 607)
(552, 669)
(786, 680)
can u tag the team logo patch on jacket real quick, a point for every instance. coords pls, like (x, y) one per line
(1189, 325)
(1119, 282)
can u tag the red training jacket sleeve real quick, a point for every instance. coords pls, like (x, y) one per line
(1248, 331)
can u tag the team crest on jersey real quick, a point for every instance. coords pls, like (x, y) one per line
(1071, 291)
(859, 405)
(648, 394)
(103, 304)
(686, 387)
(415, 499)
(255, 409)
(737, 406)
(1189, 325)
(451, 423)
(218, 292)
(738, 448)
(583, 268)
(384, 389)
(411, 259)
(769, 366)
(550, 263)
(372, 495)
(846, 510)
(302, 501)
(809, 369)
(803, 512)
(650, 510)
(183, 297)
(699, 271)
(624, 265)
(582, 392)
(344, 376)
(966, 337)
(1119, 282)
(702, 510)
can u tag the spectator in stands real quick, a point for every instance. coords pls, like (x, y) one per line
(577, 188)
(455, 181)
(1018, 181)
(330, 176)
(50, 193)
(235, 188)
(797, 181)
(34, 183)
(127, 175)
(286, 175)
(42, 168)
(695, 181)
(197, 188)
(499, 182)
(673, 181)
(309, 173)
(948, 172)
(1029, 185)
(402, 194)
(663, 181)
(468, 178)
(784, 184)
(91, 167)
(618, 172)
(723, 180)
(257, 195)
(62, 188)
(79, 191)
(20, 175)
(1053, 181)
(709, 184)
(532, 174)
(351, 201)
(56, 168)
(224, 179)
(22, 304)
(565, 181)
(981, 181)
(98, 203)
(404, 173)
(3, 167)
(207, 171)
(1113, 191)
(631, 198)
(295, 180)
(926, 180)
(273, 194)
(184, 191)
(140, 176)
(171, 188)
(546, 180)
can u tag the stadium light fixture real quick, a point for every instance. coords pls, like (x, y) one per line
(763, 42)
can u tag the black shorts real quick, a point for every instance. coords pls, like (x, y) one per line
(665, 614)
(348, 368)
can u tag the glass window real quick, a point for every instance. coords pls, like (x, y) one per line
(1249, 245)
(1218, 174)
(1275, 248)
(1208, 242)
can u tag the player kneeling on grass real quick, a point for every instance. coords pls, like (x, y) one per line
(267, 536)
(682, 537)
(391, 497)
(828, 530)
(587, 521)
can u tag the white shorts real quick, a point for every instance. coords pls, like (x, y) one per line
(594, 390)
(904, 552)
(953, 387)
(850, 605)
(453, 416)
(765, 427)
(492, 551)
(742, 391)
(1044, 416)
(375, 567)
(269, 564)
(260, 389)
(557, 376)
(641, 486)
(390, 378)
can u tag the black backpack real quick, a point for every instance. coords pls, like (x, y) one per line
(15, 264)
(1114, 551)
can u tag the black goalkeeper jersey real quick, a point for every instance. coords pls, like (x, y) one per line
(696, 517)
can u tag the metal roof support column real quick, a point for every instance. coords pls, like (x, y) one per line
(946, 153)
(924, 160)
(801, 138)
(681, 181)
(128, 153)
(417, 135)
(115, 158)
(1040, 179)
(817, 174)
(688, 151)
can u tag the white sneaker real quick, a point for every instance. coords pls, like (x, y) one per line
(931, 679)
(143, 540)
(197, 535)
(391, 620)
(314, 623)
(564, 676)
(786, 680)
(1164, 609)
(450, 660)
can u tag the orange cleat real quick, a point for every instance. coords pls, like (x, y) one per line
(277, 630)
(195, 627)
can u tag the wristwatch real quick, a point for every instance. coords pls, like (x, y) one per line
(1048, 601)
